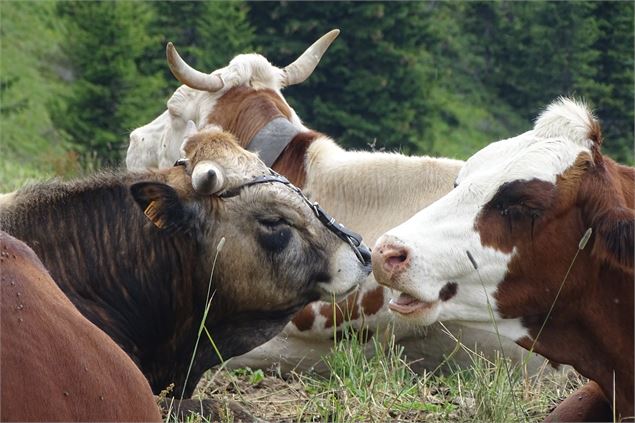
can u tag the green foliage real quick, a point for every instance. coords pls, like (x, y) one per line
(29, 78)
(109, 94)
(206, 34)
(371, 83)
(441, 78)
(614, 96)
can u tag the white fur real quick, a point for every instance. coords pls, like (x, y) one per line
(439, 236)
(157, 144)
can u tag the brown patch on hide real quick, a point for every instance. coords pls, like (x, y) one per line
(340, 312)
(304, 319)
(291, 162)
(244, 111)
(373, 301)
(592, 323)
(63, 377)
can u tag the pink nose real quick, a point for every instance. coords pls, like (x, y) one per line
(389, 260)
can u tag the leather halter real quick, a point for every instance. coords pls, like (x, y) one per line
(352, 238)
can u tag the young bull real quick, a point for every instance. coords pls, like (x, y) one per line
(142, 254)
(523, 209)
(369, 192)
(54, 364)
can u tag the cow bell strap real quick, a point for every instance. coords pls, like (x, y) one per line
(272, 139)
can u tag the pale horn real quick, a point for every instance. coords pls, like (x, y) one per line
(188, 75)
(304, 65)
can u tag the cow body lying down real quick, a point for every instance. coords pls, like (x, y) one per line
(142, 267)
(54, 364)
(368, 192)
(548, 223)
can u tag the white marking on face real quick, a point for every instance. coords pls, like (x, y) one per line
(439, 235)
(347, 273)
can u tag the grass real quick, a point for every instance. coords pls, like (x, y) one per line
(382, 388)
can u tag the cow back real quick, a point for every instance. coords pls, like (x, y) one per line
(55, 364)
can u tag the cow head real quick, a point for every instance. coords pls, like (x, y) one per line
(520, 208)
(276, 256)
(249, 85)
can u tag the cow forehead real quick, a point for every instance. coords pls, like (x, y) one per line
(525, 157)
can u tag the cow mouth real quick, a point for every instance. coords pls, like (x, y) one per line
(407, 304)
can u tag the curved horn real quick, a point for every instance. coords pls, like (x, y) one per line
(188, 75)
(207, 178)
(304, 65)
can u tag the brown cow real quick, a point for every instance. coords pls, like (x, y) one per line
(524, 209)
(55, 365)
(144, 267)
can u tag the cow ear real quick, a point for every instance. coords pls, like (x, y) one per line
(614, 233)
(161, 205)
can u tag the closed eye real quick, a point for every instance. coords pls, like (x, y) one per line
(272, 222)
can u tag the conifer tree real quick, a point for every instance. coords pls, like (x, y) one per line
(370, 84)
(206, 34)
(109, 96)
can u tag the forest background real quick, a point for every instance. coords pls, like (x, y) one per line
(437, 78)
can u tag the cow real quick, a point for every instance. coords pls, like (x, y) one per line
(145, 256)
(537, 237)
(368, 192)
(55, 365)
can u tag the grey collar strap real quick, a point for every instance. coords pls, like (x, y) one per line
(271, 140)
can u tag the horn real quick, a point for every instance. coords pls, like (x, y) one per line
(188, 75)
(304, 65)
(207, 178)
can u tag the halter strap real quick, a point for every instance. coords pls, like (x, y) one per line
(342, 232)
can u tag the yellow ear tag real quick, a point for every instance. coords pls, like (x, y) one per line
(152, 213)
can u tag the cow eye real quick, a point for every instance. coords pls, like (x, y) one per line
(272, 222)
(456, 184)
(275, 234)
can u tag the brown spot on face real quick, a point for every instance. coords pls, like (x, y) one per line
(448, 291)
(304, 319)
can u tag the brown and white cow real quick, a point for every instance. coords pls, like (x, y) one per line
(521, 208)
(368, 192)
(142, 254)
(55, 365)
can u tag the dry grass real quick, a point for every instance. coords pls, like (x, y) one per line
(383, 388)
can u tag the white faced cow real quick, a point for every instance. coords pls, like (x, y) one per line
(523, 209)
(368, 192)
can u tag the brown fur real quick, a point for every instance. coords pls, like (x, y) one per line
(587, 404)
(56, 365)
(291, 162)
(146, 287)
(591, 326)
(244, 111)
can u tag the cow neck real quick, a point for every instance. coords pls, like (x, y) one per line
(292, 161)
(585, 335)
(272, 139)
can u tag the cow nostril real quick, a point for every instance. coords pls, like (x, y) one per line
(394, 258)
